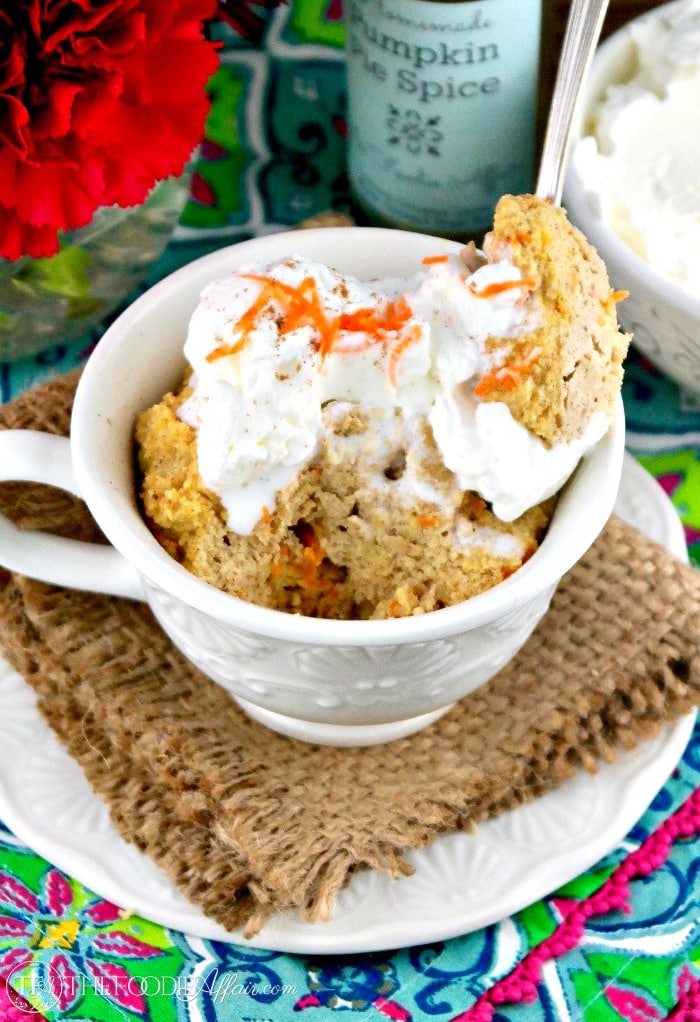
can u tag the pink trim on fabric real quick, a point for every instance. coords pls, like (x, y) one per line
(14, 1008)
(520, 985)
(687, 1008)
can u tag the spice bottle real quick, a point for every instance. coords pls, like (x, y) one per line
(443, 105)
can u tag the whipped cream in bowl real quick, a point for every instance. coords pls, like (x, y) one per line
(633, 184)
(640, 156)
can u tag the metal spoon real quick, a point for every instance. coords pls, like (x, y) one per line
(580, 40)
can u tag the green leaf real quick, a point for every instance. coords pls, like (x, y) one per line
(8, 321)
(83, 306)
(64, 274)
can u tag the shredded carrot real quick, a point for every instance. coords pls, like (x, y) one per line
(379, 325)
(272, 290)
(291, 290)
(247, 320)
(401, 311)
(226, 349)
(427, 521)
(304, 580)
(430, 260)
(301, 305)
(505, 379)
(306, 309)
(282, 557)
(245, 324)
(614, 297)
(397, 351)
(500, 286)
(328, 338)
(359, 322)
(351, 346)
(508, 376)
(312, 560)
(312, 556)
(378, 322)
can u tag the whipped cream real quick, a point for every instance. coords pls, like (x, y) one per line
(492, 454)
(270, 346)
(640, 163)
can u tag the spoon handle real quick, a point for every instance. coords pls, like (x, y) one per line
(580, 40)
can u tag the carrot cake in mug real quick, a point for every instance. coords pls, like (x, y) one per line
(349, 449)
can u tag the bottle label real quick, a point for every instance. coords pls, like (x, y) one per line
(442, 106)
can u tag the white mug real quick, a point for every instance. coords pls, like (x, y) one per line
(324, 681)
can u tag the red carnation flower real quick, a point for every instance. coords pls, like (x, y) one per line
(99, 99)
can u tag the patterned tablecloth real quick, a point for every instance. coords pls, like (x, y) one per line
(621, 942)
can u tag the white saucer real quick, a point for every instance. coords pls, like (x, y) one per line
(462, 882)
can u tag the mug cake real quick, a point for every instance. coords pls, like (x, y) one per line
(373, 449)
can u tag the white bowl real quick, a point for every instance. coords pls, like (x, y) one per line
(333, 682)
(663, 317)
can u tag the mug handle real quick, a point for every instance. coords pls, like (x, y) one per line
(34, 457)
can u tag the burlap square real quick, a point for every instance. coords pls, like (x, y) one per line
(247, 822)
